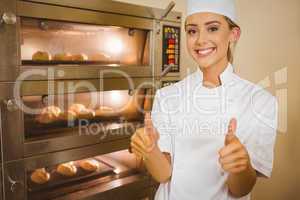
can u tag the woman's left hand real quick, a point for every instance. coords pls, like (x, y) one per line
(234, 157)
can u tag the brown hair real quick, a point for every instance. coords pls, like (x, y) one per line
(231, 25)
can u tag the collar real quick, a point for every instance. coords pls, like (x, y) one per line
(226, 76)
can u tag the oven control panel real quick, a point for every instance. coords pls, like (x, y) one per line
(171, 48)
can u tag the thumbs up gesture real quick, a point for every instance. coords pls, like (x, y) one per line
(144, 140)
(234, 157)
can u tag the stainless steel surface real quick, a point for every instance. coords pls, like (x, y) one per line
(115, 7)
(134, 187)
(1, 154)
(168, 10)
(75, 140)
(14, 186)
(20, 154)
(1, 182)
(8, 18)
(11, 105)
(30, 9)
(158, 49)
(9, 48)
(7, 73)
(54, 158)
(46, 11)
(165, 72)
(84, 72)
(11, 125)
(68, 86)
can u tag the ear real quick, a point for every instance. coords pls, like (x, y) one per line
(235, 34)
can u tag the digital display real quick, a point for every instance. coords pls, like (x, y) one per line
(171, 47)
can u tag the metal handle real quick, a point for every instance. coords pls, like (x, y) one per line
(13, 184)
(168, 10)
(8, 18)
(11, 105)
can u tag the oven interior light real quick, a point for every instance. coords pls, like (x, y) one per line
(114, 45)
(117, 98)
(115, 95)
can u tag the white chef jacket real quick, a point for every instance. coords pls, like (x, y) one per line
(192, 121)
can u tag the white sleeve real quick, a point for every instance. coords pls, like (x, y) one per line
(161, 122)
(263, 126)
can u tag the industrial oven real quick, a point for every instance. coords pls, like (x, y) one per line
(76, 78)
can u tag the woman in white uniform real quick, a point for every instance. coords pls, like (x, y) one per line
(212, 134)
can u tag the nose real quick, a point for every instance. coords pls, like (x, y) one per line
(202, 38)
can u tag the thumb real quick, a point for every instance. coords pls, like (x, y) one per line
(231, 131)
(147, 120)
(150, 130)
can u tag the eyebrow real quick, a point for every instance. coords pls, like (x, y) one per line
(207, 23)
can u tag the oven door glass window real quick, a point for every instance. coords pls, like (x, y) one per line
(61, 115)
(45, 42)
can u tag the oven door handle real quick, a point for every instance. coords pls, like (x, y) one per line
(8, 18)
(11, 105)
(13, 184)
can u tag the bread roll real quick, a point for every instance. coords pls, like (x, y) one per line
(68, 116)
(67, 169)
(62, 57)
(41, 56)
(81, 111)
(49, 114)
(90, 165)
(104, 111)
(79, 57)
(40, 176)
(99, 57)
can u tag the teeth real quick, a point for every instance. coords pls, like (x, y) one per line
(205, 52)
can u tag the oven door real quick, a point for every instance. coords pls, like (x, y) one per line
(44, 178)
(83, 43)
(67, 120)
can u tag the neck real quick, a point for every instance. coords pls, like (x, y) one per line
(211, 75)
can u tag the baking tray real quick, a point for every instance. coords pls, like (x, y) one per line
(57, 179)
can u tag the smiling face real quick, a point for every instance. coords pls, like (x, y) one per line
(208, 39)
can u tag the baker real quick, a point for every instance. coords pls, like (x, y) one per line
(212, 134)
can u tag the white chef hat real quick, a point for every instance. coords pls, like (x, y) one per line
(222, 7)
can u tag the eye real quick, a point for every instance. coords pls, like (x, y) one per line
(213, 29)
(191, 31)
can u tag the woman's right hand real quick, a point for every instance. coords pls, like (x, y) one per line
(144, 140)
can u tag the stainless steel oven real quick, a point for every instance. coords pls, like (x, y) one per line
(76, 78)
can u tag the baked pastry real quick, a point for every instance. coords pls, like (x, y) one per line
(67, 169)
(41, 56)
(68, 116)
(40, 176)
(81, 111)
(104, 110)
(90, 165)
(49, 114)
(79, 57)
(62, 57)
(99, 57)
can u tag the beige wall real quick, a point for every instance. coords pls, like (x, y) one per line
(270, 41)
